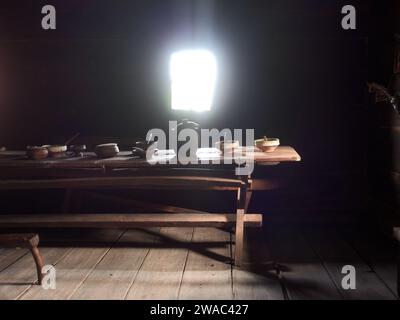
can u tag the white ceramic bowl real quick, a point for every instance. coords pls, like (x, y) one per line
(267, 144)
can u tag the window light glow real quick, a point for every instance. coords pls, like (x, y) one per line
(193, 78)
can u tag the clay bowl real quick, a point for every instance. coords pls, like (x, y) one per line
(37, 153)
(56, 151)
(106, 150)
(267, 144)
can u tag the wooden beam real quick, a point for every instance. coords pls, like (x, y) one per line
(137, 182)
(125, 220)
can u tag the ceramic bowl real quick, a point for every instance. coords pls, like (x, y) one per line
(267, 144)
(106, 150)
(56, 151)
(36, 152)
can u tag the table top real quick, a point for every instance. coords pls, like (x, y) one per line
(209, 156)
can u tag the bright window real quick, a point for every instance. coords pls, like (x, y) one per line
(193, 78)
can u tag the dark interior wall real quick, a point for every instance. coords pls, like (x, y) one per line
(384, 122)
(286, 69)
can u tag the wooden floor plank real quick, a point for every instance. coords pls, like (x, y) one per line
(303, 274)
(335, 253)
(207, 273)
(71, 271)
(377, 251)
(189, 263)
(114, 275)
(78, 237)
(161, 273)
(257, 279)
(9, 256)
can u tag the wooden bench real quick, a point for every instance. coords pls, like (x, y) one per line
(117, 220)
(25, 240)
(240, 220)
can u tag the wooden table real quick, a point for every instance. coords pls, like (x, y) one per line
(125, 171)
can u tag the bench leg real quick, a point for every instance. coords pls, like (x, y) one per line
(39, 263)
(25, 240)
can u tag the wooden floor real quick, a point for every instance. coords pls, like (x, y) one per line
(282, 262)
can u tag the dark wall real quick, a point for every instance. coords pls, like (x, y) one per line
(286, 69)
(384, 122)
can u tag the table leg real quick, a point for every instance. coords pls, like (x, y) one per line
(239, 230)
(249, 194)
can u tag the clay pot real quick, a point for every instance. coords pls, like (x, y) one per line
(56, 151)
(107, 150)
(37, 153)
